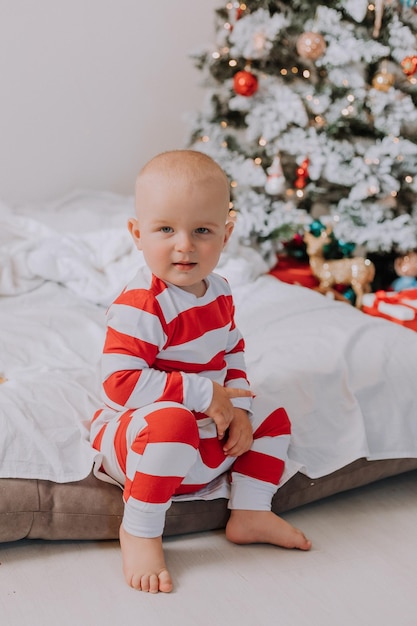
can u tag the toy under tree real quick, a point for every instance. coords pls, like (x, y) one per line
(311, 111)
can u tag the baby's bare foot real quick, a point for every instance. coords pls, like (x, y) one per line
(143, 563)
(264, 527)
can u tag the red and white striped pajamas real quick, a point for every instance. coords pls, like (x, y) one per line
(163, 349)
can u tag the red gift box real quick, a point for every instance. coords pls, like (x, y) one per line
(397, 306)
(289, 270)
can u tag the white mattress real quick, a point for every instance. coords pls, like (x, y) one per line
(346, 379)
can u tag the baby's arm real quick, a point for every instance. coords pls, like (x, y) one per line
(131, 379)
(236, 376)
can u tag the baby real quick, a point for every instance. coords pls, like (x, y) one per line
(177, 408)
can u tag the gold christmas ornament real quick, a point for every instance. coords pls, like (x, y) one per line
(311, 45)
(383, 80)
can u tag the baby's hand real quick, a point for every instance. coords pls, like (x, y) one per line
(240, 435)
(221, 410)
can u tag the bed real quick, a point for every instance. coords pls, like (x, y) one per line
(346, 379)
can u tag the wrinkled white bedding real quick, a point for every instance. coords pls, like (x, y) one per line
(346, 379)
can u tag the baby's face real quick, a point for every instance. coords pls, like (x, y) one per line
(181, 229)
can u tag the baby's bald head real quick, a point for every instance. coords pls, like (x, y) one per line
(181, 167)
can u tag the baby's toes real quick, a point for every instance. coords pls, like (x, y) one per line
(165, 582)
(152, 584)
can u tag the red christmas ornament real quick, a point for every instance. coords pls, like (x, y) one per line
(298, 239)
(409, 65)
(239, 13)
(234, 16)
(302, 174)
(245, 83)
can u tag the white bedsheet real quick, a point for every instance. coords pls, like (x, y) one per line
(346, 379)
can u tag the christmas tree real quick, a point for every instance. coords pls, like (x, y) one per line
(311, 111)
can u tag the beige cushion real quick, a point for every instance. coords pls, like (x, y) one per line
(92, 510)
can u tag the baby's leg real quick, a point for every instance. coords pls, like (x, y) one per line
(144, 563)
(255, 478)
(150, 450)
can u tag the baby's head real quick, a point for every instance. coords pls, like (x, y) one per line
(182, 205)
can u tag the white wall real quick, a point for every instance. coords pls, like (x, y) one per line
(90, 89)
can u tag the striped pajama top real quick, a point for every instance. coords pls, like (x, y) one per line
(164, 343)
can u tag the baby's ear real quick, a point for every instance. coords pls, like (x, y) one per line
(133, 228)
(228, 231)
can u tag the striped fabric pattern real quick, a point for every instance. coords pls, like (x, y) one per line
(163, 343)
(163, 349)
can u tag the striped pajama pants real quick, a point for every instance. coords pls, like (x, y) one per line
(163, 449)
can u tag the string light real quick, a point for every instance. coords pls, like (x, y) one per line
(232, 62)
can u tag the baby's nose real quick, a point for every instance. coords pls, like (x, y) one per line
(184, 242)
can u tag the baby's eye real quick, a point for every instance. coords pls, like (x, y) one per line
(202, 230)
(166, 229)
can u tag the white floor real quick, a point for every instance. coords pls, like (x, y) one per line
(362, 571)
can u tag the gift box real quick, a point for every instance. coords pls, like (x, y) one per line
(295, 272)
(397, 306)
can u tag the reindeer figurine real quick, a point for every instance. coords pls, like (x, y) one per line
(356, 272)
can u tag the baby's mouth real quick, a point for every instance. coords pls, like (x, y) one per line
(184, 265)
